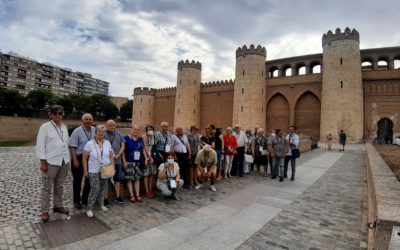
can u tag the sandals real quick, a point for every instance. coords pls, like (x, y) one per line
(139, 199)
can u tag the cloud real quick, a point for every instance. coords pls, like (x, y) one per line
(139, 43)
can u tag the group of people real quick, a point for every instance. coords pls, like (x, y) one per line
(174, 160)
(342, 140)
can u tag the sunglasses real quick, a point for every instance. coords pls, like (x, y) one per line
(58, 113)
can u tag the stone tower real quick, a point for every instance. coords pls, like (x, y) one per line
(342, 100)
(143, 107)
(187, 100)
(249, 98)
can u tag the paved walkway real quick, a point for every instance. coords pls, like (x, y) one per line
(323, 209)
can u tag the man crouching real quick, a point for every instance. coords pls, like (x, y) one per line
(206, 162)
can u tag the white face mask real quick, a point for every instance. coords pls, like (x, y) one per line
(150, 132)
(170, 161)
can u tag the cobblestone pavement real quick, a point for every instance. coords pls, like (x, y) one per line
(318, 216)
(330, 214)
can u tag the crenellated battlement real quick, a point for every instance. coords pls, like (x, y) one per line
(243, 51)
(167, 89)
(186, 64)
(143, 91)
(338, 35)
(217, 83)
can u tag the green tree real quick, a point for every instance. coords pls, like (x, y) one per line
(126, 110)
(67, 103)
(11, 102)
(102, 107)
(40, 99)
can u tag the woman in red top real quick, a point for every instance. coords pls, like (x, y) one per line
(230, 146)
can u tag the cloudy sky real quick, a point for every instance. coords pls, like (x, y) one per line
(133, 43)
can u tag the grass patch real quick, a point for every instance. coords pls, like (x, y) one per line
(13, 143)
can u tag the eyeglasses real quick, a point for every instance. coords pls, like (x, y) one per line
(58, 113)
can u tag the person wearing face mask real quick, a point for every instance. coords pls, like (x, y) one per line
(150, 172)
(169, 180)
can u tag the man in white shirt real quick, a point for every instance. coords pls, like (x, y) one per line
(52, 150)
(294, 141)
(238, 159)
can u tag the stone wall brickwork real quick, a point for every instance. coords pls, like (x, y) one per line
(325, 92)
(143, 107)
(187, 98)
(342, 104)
(249, 100)
(383, 202)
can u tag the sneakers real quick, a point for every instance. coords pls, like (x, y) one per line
(45, 217)
(119, 200)
(89, 213)
(198, 186)
(212, 188)
(104, 208)
(107, 202)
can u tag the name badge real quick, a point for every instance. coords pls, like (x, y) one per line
(184, 150)
(261, 148)
(167, 148)
(172, 183)
(136, 156)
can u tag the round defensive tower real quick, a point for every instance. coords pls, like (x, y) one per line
(143, 107)
(342, 101)
(249, 98)
(187, 99)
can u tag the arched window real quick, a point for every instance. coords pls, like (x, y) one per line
(301, 69)
(366, 65)
(383, 63)
(287, 70)
(315, 67)
(273, 72)
(397, 63)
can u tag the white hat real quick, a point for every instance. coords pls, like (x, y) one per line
(207, 148)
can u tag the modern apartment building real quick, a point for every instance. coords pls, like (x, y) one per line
(25, 74)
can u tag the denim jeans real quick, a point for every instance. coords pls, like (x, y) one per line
(292, 163)
(278, 166)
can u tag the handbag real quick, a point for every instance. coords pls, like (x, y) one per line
(107, 171)
(295, 153)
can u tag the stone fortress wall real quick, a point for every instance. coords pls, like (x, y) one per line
(342, 88)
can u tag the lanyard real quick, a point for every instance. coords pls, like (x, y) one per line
(112, 138)
(59, 131)
(101, 150)
(170, 175)
(88, 135)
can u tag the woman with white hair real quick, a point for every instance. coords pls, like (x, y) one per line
(97, 152)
